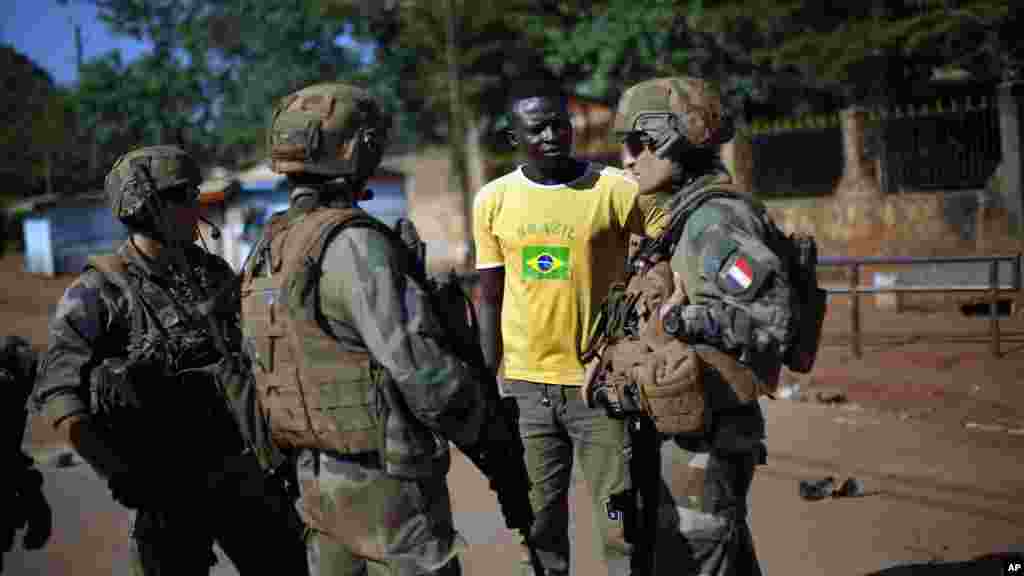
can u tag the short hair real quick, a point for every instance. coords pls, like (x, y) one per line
(536, 84)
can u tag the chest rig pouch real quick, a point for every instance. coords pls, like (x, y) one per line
(316, 395)
(631, 354)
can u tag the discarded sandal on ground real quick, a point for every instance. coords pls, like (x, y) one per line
(821, 489)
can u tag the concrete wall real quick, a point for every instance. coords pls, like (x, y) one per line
(909, 224)
(437, 210)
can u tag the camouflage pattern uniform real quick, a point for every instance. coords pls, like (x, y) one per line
(746, 315)
(384, 510)
(22, 501)
(190, 474)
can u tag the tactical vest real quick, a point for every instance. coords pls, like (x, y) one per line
(161, 331)
(627, 315)
(316, 395)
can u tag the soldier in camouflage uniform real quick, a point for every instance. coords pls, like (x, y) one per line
(731, 305)
(23, 502)
(137, 376)
(353, 366)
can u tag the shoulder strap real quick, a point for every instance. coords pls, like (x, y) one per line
(115, 271)
(324, 224)
(680, 211)
(112, 267)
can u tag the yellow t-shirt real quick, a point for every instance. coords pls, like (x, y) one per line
(562, 246)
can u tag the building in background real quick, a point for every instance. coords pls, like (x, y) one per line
(61, 232)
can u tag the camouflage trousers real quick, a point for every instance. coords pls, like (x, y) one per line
(703, 524)
(364, 522)
(557, 428)
(250, 517)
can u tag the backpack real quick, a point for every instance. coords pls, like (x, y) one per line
(799, 256)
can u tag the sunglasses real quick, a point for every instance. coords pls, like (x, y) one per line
(636, 142)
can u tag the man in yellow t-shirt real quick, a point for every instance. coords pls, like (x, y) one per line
(551, 237)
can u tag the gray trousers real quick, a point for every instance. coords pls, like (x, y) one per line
(557, 428)
(704, 529)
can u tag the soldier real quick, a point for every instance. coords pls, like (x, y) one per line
(24, 505)
(138, 376)
(709, 319)
(359, 380)
(551, 237)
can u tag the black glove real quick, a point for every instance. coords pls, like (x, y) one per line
(36, 511)
(27, 509)
(616, 404)
(501, 457)
(119, 384)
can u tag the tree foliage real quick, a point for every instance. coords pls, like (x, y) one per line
(619, 44)
(869, 50)
(215, 69)
(38, 117)
(492, 51)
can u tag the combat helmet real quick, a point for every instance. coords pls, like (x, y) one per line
(674, 110)
(329, 130)
(141, 176)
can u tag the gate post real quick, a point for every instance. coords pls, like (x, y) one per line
(855, 310)
(993, 310)
(1011, 135)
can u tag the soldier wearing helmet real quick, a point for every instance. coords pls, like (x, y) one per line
(712, 306)
(360, 386)
(140, 377)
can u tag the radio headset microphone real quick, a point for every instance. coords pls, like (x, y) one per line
(214, 231)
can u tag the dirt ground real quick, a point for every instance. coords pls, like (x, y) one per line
(933, 424)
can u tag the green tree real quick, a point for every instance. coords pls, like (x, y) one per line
(265, 50)
(866, 51)
(36, 153)
(212, 75)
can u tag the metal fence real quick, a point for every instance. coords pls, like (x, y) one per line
(952, 145)
(799, 162)
(939, 138)
(993, 287)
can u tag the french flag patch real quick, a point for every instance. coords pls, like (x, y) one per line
(739, 276)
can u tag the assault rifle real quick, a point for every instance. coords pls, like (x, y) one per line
(640, 502)
(499, 454)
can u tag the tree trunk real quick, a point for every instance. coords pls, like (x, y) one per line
(459, 175)
(858, 203)
(49, 171)
(860, 178)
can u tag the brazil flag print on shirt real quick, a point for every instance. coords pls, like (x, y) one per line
(561, 247)
(546, 262)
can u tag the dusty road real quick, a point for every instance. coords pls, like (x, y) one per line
(935, 494)
(934, 430)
